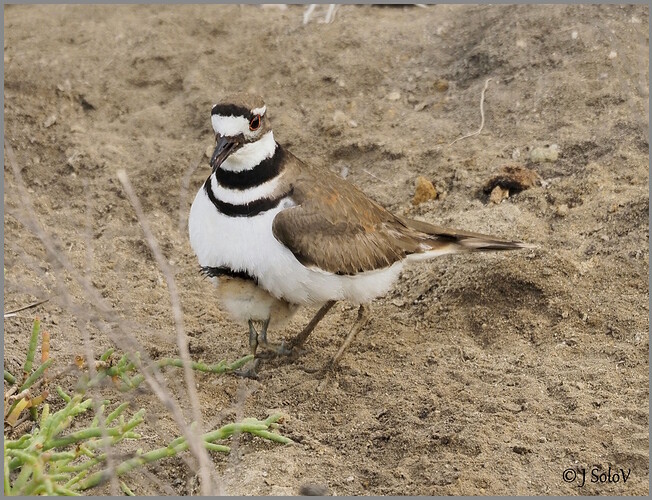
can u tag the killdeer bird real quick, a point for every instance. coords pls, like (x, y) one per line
(277, 233)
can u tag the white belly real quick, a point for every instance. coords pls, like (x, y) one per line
(248, 244)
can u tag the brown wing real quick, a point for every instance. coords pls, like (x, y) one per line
(335, 227)
(338, 229)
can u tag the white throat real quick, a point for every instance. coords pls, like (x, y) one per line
(250, 155)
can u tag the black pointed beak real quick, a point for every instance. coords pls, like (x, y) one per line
(225, 146)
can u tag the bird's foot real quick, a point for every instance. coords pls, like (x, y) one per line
(273, 350)
(326, 373)
(251, 372)
(330, 367)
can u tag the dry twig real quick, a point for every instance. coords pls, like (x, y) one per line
(182, 341)
(35, 304)
(486, 84)
(104, 317)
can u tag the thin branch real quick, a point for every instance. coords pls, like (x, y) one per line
(35, 304)
(88, 347)
(182, 341)
(104, 317)
(330, 15)
(308, 13)
(486, 84)
(372, 175)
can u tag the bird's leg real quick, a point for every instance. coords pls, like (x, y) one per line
(253, 338)
(278, 349)
(360, 322)
(262, 336)
(251, 372)
(301, 338)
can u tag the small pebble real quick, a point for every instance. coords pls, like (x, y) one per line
(424, 191)
(574, 35)
(72, 160)
(545, 153)
(513, 407)
(562, 210)
(498, 194)
(613, 54)
(394, 95)
(66, 86)
(423, 105)
(51, 120)
(339, 117)
(441, 85)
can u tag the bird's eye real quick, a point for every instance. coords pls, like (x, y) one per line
(254, 123)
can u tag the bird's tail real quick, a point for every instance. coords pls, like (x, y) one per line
(437, 240)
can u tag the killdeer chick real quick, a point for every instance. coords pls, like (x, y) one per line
(277, 233)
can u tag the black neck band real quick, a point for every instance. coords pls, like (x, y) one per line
(261, 173)
(247, 209)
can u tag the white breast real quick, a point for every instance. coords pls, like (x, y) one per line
(247, 243)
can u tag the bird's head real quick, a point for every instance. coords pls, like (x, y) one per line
(241, 125)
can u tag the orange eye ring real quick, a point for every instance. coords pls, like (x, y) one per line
(254, 123)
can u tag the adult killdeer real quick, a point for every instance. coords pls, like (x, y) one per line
(277, 233)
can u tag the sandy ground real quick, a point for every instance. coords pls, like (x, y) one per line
(479, 374)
